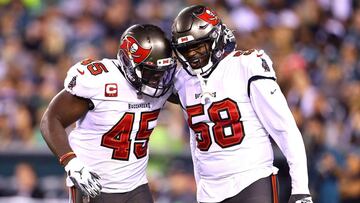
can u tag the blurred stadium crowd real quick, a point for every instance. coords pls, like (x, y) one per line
(314, 44)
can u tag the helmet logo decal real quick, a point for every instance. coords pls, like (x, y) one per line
(209, 16)
(135, 51)
(185, 39)
(164, 62)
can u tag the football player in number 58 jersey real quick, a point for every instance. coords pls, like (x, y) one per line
(232, 104)
(115, 104)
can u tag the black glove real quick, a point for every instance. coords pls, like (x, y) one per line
(300, 198)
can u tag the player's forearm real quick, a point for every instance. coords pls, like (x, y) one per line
(294, 150)
(275, 115)
(54, 134)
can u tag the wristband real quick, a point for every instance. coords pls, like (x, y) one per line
(66, 156)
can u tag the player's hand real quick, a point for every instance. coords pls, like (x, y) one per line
(84, 180)
(300, 198)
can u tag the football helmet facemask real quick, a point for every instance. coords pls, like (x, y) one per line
(200, 39)
(145, 56)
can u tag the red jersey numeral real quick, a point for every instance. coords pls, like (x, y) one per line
(140, 148)
(95, 68)
(118, 137)
(227, 130)
(201, 129)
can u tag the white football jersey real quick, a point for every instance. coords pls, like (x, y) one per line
(112, 138)
(231, 114)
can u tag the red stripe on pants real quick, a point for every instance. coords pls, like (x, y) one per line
(274, 189)
(73, 194)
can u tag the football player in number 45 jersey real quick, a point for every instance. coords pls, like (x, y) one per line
(232, 104)
(115, 103)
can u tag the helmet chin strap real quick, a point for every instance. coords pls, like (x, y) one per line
(206, 95)
(204, 70)
(209, 66)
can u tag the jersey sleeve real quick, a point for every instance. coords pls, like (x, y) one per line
(258, 66)
(80, 83)
(272, 109)
(178, 79)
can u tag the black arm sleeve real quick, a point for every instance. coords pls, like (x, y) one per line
(174, 98)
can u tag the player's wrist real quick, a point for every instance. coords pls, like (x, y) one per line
(66, 158)
(73, 164)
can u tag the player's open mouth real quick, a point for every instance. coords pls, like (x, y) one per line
(195, 63)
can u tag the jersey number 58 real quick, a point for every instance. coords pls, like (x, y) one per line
(228, 130)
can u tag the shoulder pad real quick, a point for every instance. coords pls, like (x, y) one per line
(257, 63)
(242, 52)
(84, 79)
(181, 76)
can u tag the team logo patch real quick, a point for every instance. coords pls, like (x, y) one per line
(265, 65)
(111, 90)
(209, 16)
(72, 83)
(134, 49)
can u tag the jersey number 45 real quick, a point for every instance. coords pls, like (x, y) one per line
(118, 137)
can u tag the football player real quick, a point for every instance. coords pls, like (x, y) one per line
(115, 104)
(232, 104)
